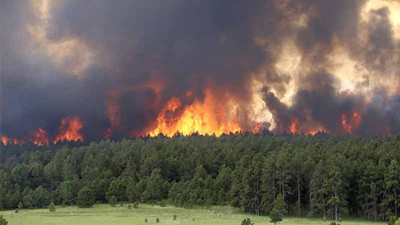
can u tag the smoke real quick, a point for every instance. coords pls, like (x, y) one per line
(115, 65)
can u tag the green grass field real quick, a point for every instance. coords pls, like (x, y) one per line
(107, 215)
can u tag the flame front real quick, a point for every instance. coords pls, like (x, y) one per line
(69, 130)
(13, 141)
(202, 117)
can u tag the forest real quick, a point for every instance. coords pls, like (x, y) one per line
(317, 176)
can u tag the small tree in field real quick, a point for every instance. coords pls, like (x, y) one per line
(113, 201)
(52, 207)
(277, 212)
(247, 221)
(20, 205)
(3, 221)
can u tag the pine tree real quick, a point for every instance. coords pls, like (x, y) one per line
(52, 207)
(392, 179)
(20, 205)
(279, 210)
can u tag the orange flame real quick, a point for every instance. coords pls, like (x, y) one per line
(13, 141)
(295, 124)
(313, 132)
(351, 122)
(202, 117)
(39, 137)
(69, 130)
(257, 128)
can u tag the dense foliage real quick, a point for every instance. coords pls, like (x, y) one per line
(321, 175)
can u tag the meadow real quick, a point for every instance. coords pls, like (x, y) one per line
(120, 215)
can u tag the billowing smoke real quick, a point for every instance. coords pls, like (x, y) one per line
(95, 69)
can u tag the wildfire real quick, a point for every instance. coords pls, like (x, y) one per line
(257, 128)
(294, 126)
(313, 132)
(69, 130)
(39, 137)
(13, 141)
(202, 117)
(350, 122)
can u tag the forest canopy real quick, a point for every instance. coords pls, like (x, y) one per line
(321, 175)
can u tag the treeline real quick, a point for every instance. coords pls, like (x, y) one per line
(317, 176)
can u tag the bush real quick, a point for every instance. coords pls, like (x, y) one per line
(157, 220)
(163, 203)
(174, 217)
(16, 211)
(3, 221)
(392, 220)
(86, 198)
(397, 222)
(52, 207)
(136, 205)
(145, 220)
(247, 221)
(129, 206)
(112, 201)
(20, 205)
(332, 223)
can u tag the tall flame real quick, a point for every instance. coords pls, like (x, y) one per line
(199, 117)
(295, 124)
(69, 130)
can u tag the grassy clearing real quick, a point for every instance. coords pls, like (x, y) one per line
(107, 215)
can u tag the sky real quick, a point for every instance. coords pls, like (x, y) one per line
(94, 69)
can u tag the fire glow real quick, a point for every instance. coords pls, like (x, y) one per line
(201, 117)
(69, 131)
(350, 122)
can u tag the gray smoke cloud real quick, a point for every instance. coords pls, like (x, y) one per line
(191, 46)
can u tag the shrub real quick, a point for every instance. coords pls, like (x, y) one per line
(247, 221)
(113, 201)
(145, 220)
(174, 217)
(332, 223)
(52, 207)
(163, 203)
(157, 220)
(3, 221)
(20, 205)
(392, 220)
(136, 205)
(129, 206)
